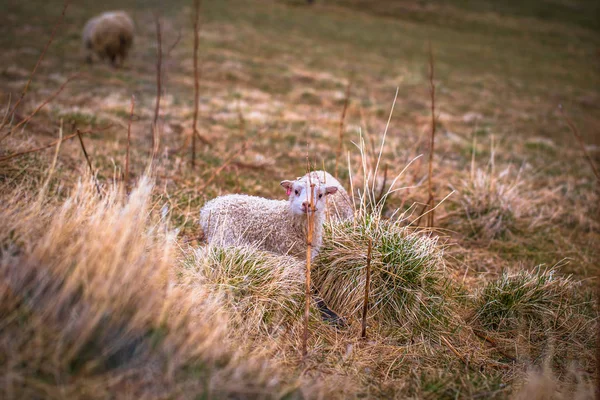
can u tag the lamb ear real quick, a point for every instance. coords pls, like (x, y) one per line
(331, 189)
(287, 184)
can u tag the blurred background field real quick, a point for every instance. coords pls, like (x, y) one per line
(273, 86)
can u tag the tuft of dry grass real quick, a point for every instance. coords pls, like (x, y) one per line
(408, 288)
(262, 288)
(493, 205)
(89, 306)
(408, 285)
(542, 312)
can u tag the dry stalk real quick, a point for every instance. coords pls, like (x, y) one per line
(453, 349)
(577, 135)
(363, 334)
(39, 60)
(54, 143)
(383, 184)
(338, 153)
(38, 108)
(87, 158)
(129, 141)
(158, 88)
(196, 79)
(175, 43)
(493, 343)
(310, 226)
(430, 199)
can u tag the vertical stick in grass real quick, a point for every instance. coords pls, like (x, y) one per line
(196, 80)
(309, 237)
(431, 200)
(363, 334)
(128, 142)
(341, 126)
(89, 163)
(158, 88)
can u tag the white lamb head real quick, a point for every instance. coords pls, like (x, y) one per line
(302, 191)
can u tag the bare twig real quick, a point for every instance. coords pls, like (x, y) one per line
(310, 226)
(158, 87)
(87, 158)
(492, 342)
(243, 148)
(175, 43)
(453, 349)
(6, 158)
(196, 79)
(38, 108)
(363, 334)
(383, 184)
(39, 60)
(430, 199)
(575, 132)
(129, 141)
(341, 126)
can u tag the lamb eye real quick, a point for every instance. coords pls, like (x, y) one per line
(320, 195)
(297, 193)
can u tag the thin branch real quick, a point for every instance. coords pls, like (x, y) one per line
(363, 334)
(341, 125)
(492, 342)
(460, 356)
(6, 158)
(310, 226)
(175, 43)
(383, 184)
(575, 132)
(430, 199)
(87, 158)
(38, 108)
(158, 87)
(129, 141)
(40, 58)
(196, 79)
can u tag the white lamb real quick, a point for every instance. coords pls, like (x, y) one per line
(339, 206)
(108, 35)
(278, 226)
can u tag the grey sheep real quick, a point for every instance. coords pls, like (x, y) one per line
(279, 226)
(108, 35)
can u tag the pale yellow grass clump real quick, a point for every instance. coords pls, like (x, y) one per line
(89, 307)
(264, 290)
(495, 205)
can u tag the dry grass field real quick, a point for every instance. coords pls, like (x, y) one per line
(107, 289)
